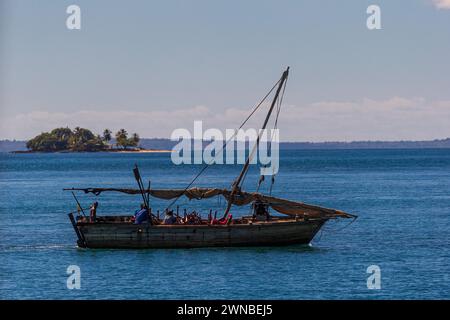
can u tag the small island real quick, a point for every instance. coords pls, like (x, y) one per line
(84, 140)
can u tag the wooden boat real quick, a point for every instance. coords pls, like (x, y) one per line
(299, 225)
(111, 233)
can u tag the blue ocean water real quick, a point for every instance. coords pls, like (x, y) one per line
(401, 197)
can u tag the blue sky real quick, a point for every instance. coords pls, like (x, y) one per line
(152, 67)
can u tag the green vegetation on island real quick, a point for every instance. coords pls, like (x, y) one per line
(81, 140)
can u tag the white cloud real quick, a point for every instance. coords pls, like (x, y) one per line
(396, 118)
(442, 4)
(391, 119)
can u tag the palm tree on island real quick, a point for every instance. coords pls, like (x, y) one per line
(107, 135)
(123, 141)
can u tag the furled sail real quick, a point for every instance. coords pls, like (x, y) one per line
(241, 198)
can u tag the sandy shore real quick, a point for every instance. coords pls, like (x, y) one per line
(141, 151)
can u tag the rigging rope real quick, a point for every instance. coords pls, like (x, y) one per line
(226, 143)
(275, 126)
(252, 154)
(331, 230)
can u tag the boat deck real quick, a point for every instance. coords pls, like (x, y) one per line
(245, 220)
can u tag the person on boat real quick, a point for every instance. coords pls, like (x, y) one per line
(187, 219)
(141, 215)
(169, 218)
(260, 212)
(192, 218)
(93, 211)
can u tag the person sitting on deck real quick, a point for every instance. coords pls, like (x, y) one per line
(192, 218)
(93, 211)
(169, 218)
(260, 212)
(141, 215)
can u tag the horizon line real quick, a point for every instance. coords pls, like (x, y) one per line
(290, 141)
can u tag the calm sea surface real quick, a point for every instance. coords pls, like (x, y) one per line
(402, 198)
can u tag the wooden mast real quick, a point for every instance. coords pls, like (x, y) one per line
(138, 178)
(236, 183)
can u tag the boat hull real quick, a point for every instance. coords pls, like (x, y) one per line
(126, 235)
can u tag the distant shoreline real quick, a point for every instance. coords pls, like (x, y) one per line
(155, 145)
(102, 151)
